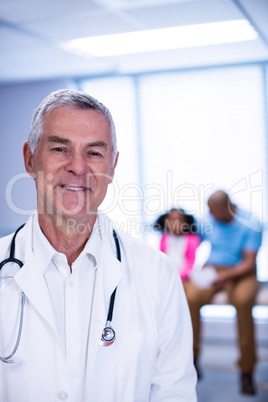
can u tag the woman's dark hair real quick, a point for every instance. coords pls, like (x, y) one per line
(188, 227)
(160, 223)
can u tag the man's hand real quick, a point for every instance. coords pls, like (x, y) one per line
(245, 267)
(222, 277)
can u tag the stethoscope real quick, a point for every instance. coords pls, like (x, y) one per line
(108, 333)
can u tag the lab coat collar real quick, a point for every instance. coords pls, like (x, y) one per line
(112, 269)
(29, 278)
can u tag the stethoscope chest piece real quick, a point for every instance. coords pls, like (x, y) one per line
(108, 335)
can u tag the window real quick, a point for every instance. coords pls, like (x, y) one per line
(182, 135)
(122, 203)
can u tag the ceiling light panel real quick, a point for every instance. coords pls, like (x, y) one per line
(127, 4)
(163, 39)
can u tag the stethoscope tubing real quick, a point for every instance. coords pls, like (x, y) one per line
(118, 254)
(8, 359)
(11, 258)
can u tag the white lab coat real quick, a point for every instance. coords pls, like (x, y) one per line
(151, 359)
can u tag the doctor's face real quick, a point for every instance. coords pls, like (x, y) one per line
(73, 163)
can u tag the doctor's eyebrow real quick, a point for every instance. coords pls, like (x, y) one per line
(55, 138)
(61, 140)
(98, 144)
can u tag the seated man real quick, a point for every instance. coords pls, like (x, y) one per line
(235, 240)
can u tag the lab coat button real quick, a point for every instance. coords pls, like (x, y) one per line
(62, 395)
(75, 375)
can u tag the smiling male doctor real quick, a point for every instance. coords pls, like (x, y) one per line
(69, 275)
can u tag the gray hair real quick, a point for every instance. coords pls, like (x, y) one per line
(74, 99)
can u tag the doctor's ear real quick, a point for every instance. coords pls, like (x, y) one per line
(28, 159)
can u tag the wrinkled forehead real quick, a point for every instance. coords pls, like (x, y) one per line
(70, 119)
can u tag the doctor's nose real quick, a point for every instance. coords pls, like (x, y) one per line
(77, 164)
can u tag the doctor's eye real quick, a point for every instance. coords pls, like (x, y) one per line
(94, 153)
(59, 149)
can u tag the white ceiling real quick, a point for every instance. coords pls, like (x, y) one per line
(31, 33)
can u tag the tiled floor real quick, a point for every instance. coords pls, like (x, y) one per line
(220, 382)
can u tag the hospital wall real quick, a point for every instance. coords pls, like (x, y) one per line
(229, 108)
(17, 191)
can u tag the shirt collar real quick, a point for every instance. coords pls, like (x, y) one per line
(45, 251)
(41, 246)
(92, 247)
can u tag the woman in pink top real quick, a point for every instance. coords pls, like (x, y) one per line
(179, 240)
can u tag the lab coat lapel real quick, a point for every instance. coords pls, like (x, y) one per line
(108, 276)
(32, 283)
(29, 278)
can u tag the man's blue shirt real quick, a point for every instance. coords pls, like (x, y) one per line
(229, 240)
